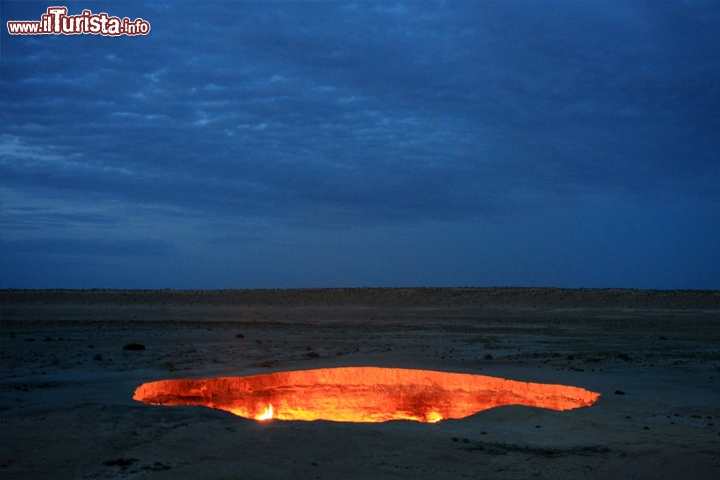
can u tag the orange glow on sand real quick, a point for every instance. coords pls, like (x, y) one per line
(361, 394)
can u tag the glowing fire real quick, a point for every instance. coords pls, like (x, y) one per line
(361, 394)
(266, 415)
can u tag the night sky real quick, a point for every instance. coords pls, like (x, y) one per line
(331, 144)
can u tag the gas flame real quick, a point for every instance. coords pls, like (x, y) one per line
(361, 394)
(267, 414)
(433, 417)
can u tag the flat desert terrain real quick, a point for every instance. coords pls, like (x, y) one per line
(66, 407)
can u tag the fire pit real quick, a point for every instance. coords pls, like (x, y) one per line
(361, 394)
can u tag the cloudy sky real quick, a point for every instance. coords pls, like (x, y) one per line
(331, 144)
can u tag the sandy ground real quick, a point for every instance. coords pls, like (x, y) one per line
(66, 408)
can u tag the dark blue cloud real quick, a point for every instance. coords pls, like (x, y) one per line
(85, 247)
(324, 115)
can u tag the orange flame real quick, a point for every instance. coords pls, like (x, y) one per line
(361, 394)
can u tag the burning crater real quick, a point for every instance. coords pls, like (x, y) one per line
(361, 394)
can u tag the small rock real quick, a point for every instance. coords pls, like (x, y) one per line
(134, 346)
(239, 335)
(619, 392)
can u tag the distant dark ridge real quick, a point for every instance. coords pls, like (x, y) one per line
(382, 297)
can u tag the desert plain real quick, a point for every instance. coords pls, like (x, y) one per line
(66, 407)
